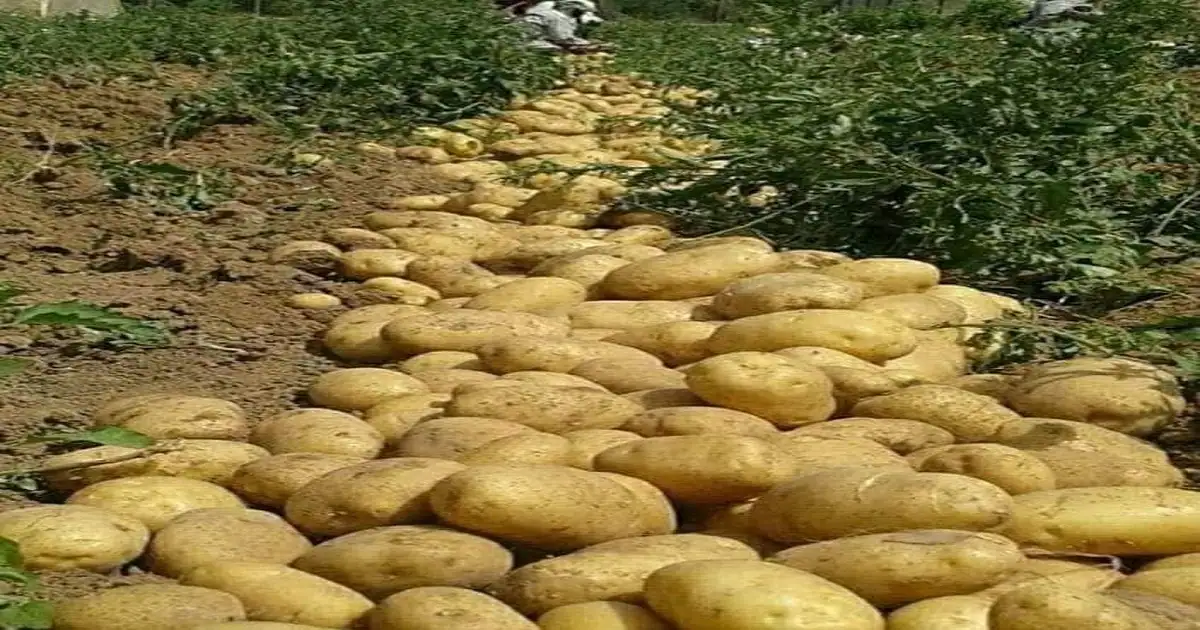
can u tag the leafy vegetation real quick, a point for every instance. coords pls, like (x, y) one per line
(19, 607)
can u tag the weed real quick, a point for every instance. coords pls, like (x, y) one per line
(19, 608)
(169, 184)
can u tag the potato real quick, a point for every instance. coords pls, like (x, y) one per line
(445, 608)
(441, 360)
(601, 616)
(825, 358)
(418, 202)
(549, 409)
(208, 535)
(1048, 606)
(355, 335)
(522, 448)
(206, 460)
(1085, 455)
(800, 259)
(364, 264)
(812, 453)
(490, 193)
(1174, 562)
(748, 242)
(899, 568)
(585, 444)
(624, 315)
(166, 416)
(371, 494)
(252, 625)
(148, 607)
(852, 385)
(445, 381)
(936, 359)
(1094, 576)
(1119, 394)
(969, 417)
(421, 218)
(1167, 613)
(996, 386)
(1182, 584)
(901, 436)
(154, 500)
(733, 521)
(887, 276)
(615, 570)
(622, 376)
(312, 256)
(452, 437)
(640, 235)
(385, 560)
(915, 310)
(864, 335)
(314, 301)
(474, 171)
(465, 330)
(548, 379)
(452, 277)
(749, 594)
(787, 291)
(978, 307)
(318, 431)
(1015, 471)
(1124, 521)
(271, 480)
(531, 295)
(401, 291)
(432, 242)
(64, 537)
(552, 354)
(662, 398)
(785, 392)
(397, 416)
(701, 469)
(697, 421)
(675, 343)
(845, 501)
(358, 389)
(546, 507)
(274, 592)
(954, 612)
(357, 238)
(587, 270)
(687, 273)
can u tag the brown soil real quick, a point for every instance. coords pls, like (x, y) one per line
(202, 274)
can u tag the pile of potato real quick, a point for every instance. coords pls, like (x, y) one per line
(556, 426)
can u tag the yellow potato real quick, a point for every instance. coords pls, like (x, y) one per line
(444, 221)
(662, 398)
(786, 291)
(318, 431)
(401, 291)
(867, 336)
(587, 270)
(148, 607)
(852, 385)
(1166, 612)
(749, 242)
(474, 171)
(936, 359)
(271, 480)
(452, 437)
(364, 264)
(845, 501)
(446, 380)
(1181, 584)
(697, 421)
(551, 354)
(687, 273)
(887, 276)
(546, 408)
(522, 448)
(452, 277)
(996, 386)
(733, 521)
(749, 594)
(915, 310)
(253, 625)
(440, 360)
(954, 612)
(64, 537)
(154, 500)
(531, 295)
(419, 202)
(465, 330)
(800, 259)
(625, 315)
(547, 507)
(899, 568)
(901, 436)
(785, 392)
(969, 417)
(601, 616)
(358, 389)
(166, 416)
(1048, 606)
(371, 494)
(812, 453)
(314, 301)
(445, 608)
(639, 235)
(1015, 471)
(586, 444)
(549, 379)
(208, 535)
(214, 461)
(274, 592)
(385, 560)
(311, 256)
(1096, 575)
(622, 376)
(355, 335)
(675, 343)
(357, 238)
(1174, 562)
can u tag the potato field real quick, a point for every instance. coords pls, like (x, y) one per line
(361, 315)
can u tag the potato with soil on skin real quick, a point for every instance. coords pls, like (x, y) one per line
(554, 508)
(733, 521)
(312, 256)
(801, 259)
(253, 625)
(402, 291)
(640, 235)
(364, 264)
(1182, 584)
(1166, 612)
(901, 436)
(785, 291)
(385, 560)
(899, 568)
(996, 386)
(431, 242)
(1174, 562)
(275, 592)
(167, 416)
(601, 616)
(663, 398)
(625, 315)
(852, 385)
(838, 502)
(953, 612)
(551, 354)
(1128, 396)
(64, 537)
(358, 389)
(549, 409)
(423, 218)
(445, 381)
(268, 482)
(750, 594)
(451, 277)
(1085, 455)
(687, 273)
(675, 343)
(523, 448)
(1087, 573)
(919, 311)
(867, 336)
(214, 534)
(527, 255)
(441, 360)
(622, 376)
(531, 295)
(1048, 606)
(465, 330)
(355, 335)
(813, 453)
(547, 379)
(970, 417)
(214, 461)
(314, 301)
(154, 500)
(1013, 470)
(586, 444)
(616, 570)
(935, 359)
(357, 238)
(787, 393)
(316, 430)
(698, 421)
(383, 492)
(445, 608)
(887, 276)
(452, 437)
(148, 607)
(587, 271)
(1121, 521)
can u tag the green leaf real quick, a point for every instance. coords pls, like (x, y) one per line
(27, 615)
(10, 554)
(8, 291)
(122, 328)
(13, 365)
(108, 436)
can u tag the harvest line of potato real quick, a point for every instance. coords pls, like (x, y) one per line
(562, 426)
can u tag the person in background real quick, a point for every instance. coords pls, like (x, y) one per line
(557, 25)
